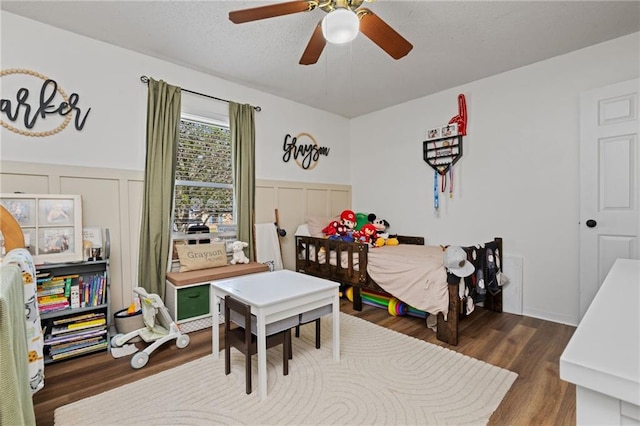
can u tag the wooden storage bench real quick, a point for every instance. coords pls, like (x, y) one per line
(187, 293)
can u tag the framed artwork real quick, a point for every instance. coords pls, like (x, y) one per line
(23, 210)
(55, 211)
(449, 130)
(433, 133)
(92, 243)
(51, 224)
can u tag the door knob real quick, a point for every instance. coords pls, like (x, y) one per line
(591, 223)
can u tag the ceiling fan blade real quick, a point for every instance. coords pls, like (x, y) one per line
(270, 11)
(382, 34)
(314, 48)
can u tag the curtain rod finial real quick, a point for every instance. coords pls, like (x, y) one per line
(144, 79)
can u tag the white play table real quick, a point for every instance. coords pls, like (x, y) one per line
(274, 296)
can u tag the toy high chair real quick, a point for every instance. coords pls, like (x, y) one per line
(158, 332)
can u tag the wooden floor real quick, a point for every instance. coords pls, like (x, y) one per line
(527, 346)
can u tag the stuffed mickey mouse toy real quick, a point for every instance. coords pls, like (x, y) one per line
(381, 225)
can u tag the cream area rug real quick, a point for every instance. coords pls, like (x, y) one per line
(383, 378)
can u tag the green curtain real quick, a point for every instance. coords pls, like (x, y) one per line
(163, 126)
(243, 135)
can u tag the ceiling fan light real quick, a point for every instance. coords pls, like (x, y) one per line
(340, 26)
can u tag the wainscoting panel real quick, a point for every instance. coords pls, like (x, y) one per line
(29, 184)
(101, 208)
(112, 199)
(131, 228)
(295, 201)
(266, 203)
(339, 200)
(318, 200)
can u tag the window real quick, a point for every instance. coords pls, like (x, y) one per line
(204, 177)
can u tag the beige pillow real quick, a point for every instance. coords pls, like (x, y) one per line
(201, 256)
(318, 223)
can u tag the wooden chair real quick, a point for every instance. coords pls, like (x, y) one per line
(244, 338)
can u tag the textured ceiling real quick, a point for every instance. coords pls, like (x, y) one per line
(455, 42)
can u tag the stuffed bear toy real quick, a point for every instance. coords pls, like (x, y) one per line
(238, 252)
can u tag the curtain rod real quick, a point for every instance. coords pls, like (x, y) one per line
(145, 80)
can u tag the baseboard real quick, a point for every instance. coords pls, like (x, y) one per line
(512, 291)
(195, 325)
(551, 316)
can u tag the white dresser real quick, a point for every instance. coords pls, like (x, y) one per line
(603, 357)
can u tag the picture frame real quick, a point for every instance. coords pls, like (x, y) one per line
(51, 224)
(55, 211)
(55, 240)
(23, 210)
(449, 130)
(92, 243)
(433, 133)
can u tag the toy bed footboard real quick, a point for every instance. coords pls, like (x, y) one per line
(352, 270)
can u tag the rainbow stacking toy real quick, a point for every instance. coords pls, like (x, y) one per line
(394, 306)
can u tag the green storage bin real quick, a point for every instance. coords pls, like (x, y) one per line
(193, 302)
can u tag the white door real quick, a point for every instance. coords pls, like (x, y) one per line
(610, 191)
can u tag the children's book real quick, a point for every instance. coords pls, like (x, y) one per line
(92, 243)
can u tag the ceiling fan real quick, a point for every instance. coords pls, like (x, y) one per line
(344, 19)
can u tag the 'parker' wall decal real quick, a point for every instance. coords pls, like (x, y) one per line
(47, 104)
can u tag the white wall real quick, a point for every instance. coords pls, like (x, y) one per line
(518, 177)
(107, 78)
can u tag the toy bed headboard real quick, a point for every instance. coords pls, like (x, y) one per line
(11, 231)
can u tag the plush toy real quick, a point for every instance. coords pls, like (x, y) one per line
(238, 252)
(331, 228)
(361, 220)
(342, 230)
(366, 235)
(380, 224)
(381, 241)
(391, 241)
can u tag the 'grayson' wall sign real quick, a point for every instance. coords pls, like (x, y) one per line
(30, 111)
(305, 155)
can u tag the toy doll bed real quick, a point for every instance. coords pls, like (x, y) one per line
(21, 345)
(411, 272)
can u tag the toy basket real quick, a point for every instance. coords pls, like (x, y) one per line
(126, 323)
